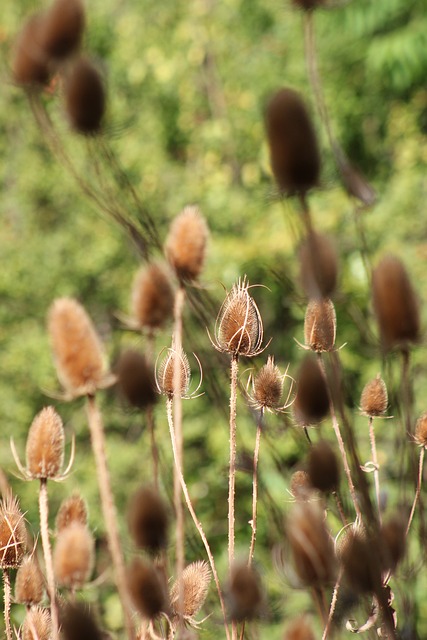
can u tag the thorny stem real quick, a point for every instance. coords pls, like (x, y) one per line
(47, 553)
(375, 461)
(149, 413)
(255, 488)
(7, 599)
(332, 606)
(108, 509)
(232, 470)
(418, 490)
(193, 514)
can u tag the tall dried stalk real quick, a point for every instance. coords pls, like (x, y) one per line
(255, 486)
(7, 601)
(47, 553)
(376, 467)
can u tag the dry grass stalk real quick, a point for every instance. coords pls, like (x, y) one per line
(37, 625)
(63, 28)
(196, 578)
(185, 245)
(73, 556)
(72, 509)
(374, 398)
(320, 325)
(148, 520)
(152, 298)
(29, 63)
(85, 99)
(147, 589)
(29, 583)
(45, 445)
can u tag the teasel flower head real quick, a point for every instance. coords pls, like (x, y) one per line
(393, 542)
(45, 445)
(164, 374)
(318, 266)
(29, 583)
(267, 388)
(71, 510)
(308, 5)
(152, 298)
(322, 467)
(85, 98)
(421, 430)
(37, 625)
(77, 350)
(185, 245)
(147, 589)
(78, 623)
(148, 520)
(299, 629)
(13, 535)
(196, 579)
(73, 556)
(29, 64)
(311, 404)
(238, 329)
(355, 551)
(300, 487)
(63, 28)
(320, 325)
(245, 595)
(396, 305)
(136, 379)
(374, 398)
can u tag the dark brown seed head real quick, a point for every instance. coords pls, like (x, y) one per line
(299, 629)
(73, 556)
(165, 373)
(322, 467)
(245, 597)
(421, 430)
(136, 380)
(72, 509)
(77, 623)
(185, 245)
(37, 625)
(29, 63)
(311, 403)
(300, 486)
(294, 152)
(356, 552)
(308, 5)
(196, 578)
(63, 28)
(148, 519)
(13, 535)
(85, 97)
(320, 325)
(319, 266)
(152, 297)
(45, 445)
(29, 583)
(374, 398)
(393, 542)
(147, 589)
(268, 386)
(395, 303)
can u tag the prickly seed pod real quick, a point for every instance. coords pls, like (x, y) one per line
(308, 5)
(299, 629)
(318, 265)
(78, 623)
(196, 578)
(311, 404)
(245, 597)
(374, 398)
(421, 430)
(268, 386)
(356, 552)
(320, 325)
(29, 583)
(45, 445)
(300, 486)
(85, 97)
(147, 589)
(322, 467)
(29, 63)
(395, 303)
(393, 542)
(73, 556)
(165, 374)
(294, 152)
(152, 297)
(13, 535)
(72, 509)
(148, 519)
(185, 245)
(136, 380)
(63, 28)
(37, 625)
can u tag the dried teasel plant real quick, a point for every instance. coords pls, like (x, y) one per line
(136, 379)
(148, 519)
(73, 556)
(300, 487)
(322, 467)
(267, 388)
(147, 589)
(196, 579)
(63, 27)
(374, 398)
(420, 438)
(29, 582)
(30, 66)
(72, 509)
(320, 325)
(299, 629)
(185, 246)
(164, 374)
(318, 266)
(78, 622)
(245, 594)
(37, 625)
(152, 298)
(311, 404)
(85, 97)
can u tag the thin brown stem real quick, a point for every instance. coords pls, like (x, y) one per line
(333, 606)
(319, 602)
(7, 601)
(47, 553)
(255, 488)
(418, 489)
(232, 463)
(376, 467)
(149, 414)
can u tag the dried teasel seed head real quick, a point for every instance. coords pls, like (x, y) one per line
(268, 386)
(356, 552)
(165, 373)
(311, 402)
(136, 379)
(393, 542)
(63, 28)
(294, 152)
(78, 623)
(76, 348)
(73, 556)
(421, 430)
(152, 297)
(308, 5)
(29, 583)
(148, 519)
(374, 398)
(185, 245)
(322, 467)
(147, 589)
(72, 509)
(37, 625)
(85, 97)
(395, 303)
(13, 535)
(29, 64)
(318, 266)
(299, 629)
(300, 486)
(320, 325)
(45, 445)
(310, 544)
(196, 578)
(245, 596)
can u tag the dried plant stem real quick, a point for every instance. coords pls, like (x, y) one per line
(232, 463)
(319, 601)
(7, 600)
(149, 414)
(108, 509)
(418, 489)
(193, 514)
(255, 487)
(47, 553)
(376, 467)
(333, 605)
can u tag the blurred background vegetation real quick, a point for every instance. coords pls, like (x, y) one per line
(187, 85)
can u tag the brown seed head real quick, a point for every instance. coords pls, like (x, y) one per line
(308, 5)
(374, 398)
(294, 152)
(395, 303)
(13, 535)
(73, 556)
(196, 578)
(37, 625)
(137, 383)
(152, 297)
(29, 63)
(77, 623)
(45, 445)
(300, 486)
(185, 245)
(85, 97)
(268, 386)
(311, 403)
(356, 551)
(421, 430)
(245, 593)
(299, 629)
(320, 325)
(147, 589)
(319, 266)
(72, 509)
(322, 467)
(393, 542)
(63, 28)
(165, 373)
(148, 520)
(29, 583)
(76, 347)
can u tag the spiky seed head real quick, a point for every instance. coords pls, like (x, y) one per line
(73, 556)
(311, 402)
(185, 245)
(29, 63)
(300, 486)
(13, 535)
(165, 373)
(311, 545)
(72, 509)
(374, 398)
(78, 623)
(147, 589)
(196, 578)
(29, 583)
(421, 430)
(356, 552)
(63, 28)
(308, 5)
(299, 629)
(245, 596)
(37, 625)
(393, 542)
(45, 445)
(76, 347)
(136, 380)
(152, 297)
(85, 97)
(322, 467)
(318, 266)
(148, 519)
(395, 303)
(268, 386)
(320, 325)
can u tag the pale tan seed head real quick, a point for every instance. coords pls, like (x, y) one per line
(152, 297)
(196, 578)
(299, 629)
(421, 430)
(300, 486)
(319, 266)
(37, 625)
(13, 535)
(73, 556)
(374, 398)
(29, 583)
(185, 245)
(268, 386)
(45, 445)
(72, 509)
(165, 373)
(147, 589)
(136, 380)
(320, 325)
